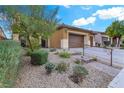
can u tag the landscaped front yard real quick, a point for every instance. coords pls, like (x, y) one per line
(31, 31)
(35, 76)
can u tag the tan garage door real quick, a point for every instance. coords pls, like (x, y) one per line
(76, 41)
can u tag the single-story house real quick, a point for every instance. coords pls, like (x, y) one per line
(68, 36)
(71, 37)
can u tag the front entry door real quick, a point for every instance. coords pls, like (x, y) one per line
(44, 43)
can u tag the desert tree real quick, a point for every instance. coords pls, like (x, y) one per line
(34, 22)
(116, 29)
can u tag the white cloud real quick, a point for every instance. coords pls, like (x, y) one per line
(84, 21)
(114, 12)
(67, 6)
(121, 18)
(89, 28)
(101, 5)
(86, 7)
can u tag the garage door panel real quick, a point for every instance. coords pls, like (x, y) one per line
(76, 41)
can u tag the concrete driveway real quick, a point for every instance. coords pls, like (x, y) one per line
(103, 54)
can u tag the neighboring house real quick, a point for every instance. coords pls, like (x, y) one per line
(100, 37)
(71, 37)
(2, 36)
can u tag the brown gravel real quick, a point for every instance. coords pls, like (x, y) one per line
(35, 76)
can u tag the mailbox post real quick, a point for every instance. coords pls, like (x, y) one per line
(107, 43)
(111, 56)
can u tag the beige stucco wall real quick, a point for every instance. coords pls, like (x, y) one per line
(93, 40)
(60, 38)
(87, 40)
(64, 43)
(56, 40)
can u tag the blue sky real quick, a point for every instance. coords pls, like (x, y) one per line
(5, 25)
(93, 17)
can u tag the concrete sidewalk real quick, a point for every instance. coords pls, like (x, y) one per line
(118, 81)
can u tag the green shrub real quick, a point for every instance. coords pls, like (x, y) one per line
(56, 53)
(64, 54)
(39, 57)
(79, 74)
(94, 58)
(77, 61)
(62, 67)
(28, 52)
(52, 50)
(80, 71)
(122, 41)
(106, 43)
(49, 68)
(113, 45)
(122, 46)
(104, 47)
(10, 52)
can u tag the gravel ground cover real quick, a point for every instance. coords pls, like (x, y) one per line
(105, 68)
(35, 76)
